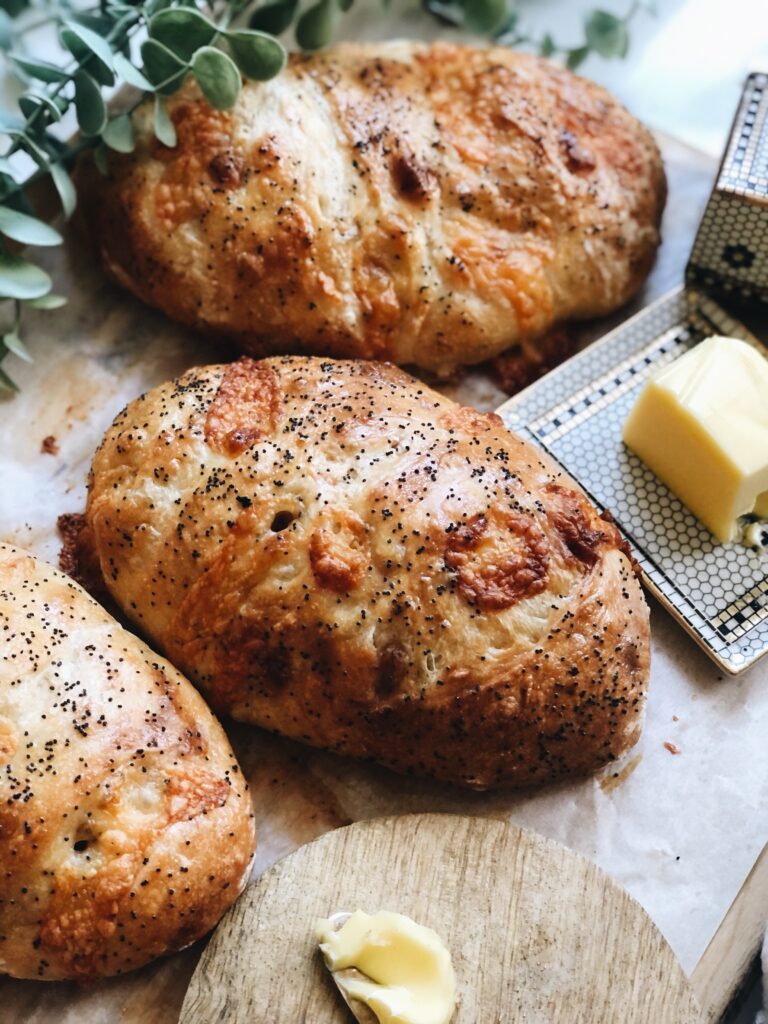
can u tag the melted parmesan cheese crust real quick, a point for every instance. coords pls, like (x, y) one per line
(427, 205)
(334, 551)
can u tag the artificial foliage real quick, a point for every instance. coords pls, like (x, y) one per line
(154, 46)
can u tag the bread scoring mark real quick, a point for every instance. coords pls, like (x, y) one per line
(391, 671)
(412, 180)
(338, 551)
(572, 517)
(245, 408)
(501, 563)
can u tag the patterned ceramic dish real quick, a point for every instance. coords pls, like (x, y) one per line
(718, 592)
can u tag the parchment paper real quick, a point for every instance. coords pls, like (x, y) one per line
(679, 831)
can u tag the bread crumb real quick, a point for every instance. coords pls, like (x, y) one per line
(672, 748)
(675, 718)
(49, 446)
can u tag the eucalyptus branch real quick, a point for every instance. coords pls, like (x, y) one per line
(218, 42)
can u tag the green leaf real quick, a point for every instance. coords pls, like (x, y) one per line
(258, 55)
(162, 67)
(165, 131)
(484, 15)
(20, 279)
(31, 102)
(27, 230)
(217, 76)
(65, 188)
(6, 31)
(274, 17)
(547, 45)
(100, 24)
(14, 344)
(130, 74)
(6, 382)
(183, 30)
(31, 146)
(606, 34)
(13, 197)
(93, 42)
(576, 57)
(315, 27)
(14, 7)
(118, 134)
(49, 301)
(445, 11)
(87, 47)
(89, 104)
(101, 159)
(345, 5)
(39, 69)
(507, 27)
(153, 6)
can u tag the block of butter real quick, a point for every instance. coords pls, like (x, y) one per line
(396, 967)
(701, 425)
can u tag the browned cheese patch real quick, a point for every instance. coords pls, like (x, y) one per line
(499, 560)
(338, 551)
(245, 408)
(204, 144)
(571, 516)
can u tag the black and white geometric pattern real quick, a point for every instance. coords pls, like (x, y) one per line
(730, 254)
(719, 592)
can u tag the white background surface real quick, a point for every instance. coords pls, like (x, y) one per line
(686, 64)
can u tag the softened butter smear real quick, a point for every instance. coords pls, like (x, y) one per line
(409, 977)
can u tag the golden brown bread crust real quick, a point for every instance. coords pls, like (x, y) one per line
(427, 205)
(367, 566)
(126, 827)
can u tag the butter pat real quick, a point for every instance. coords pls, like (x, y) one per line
(409, 977)
(701, 425)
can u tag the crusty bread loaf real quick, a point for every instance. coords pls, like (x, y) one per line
(336, 552)
(430, 205)
(126, 827)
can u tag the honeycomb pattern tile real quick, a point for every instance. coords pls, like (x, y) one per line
(718, 591)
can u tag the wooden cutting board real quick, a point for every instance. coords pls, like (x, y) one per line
(536, 932)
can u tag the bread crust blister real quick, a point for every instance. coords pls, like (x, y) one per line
(427, 205)
(336, 552)
(126, 827)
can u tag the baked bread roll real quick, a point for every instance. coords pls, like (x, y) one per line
(334, 551)
(429, 205)
(126, 827)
